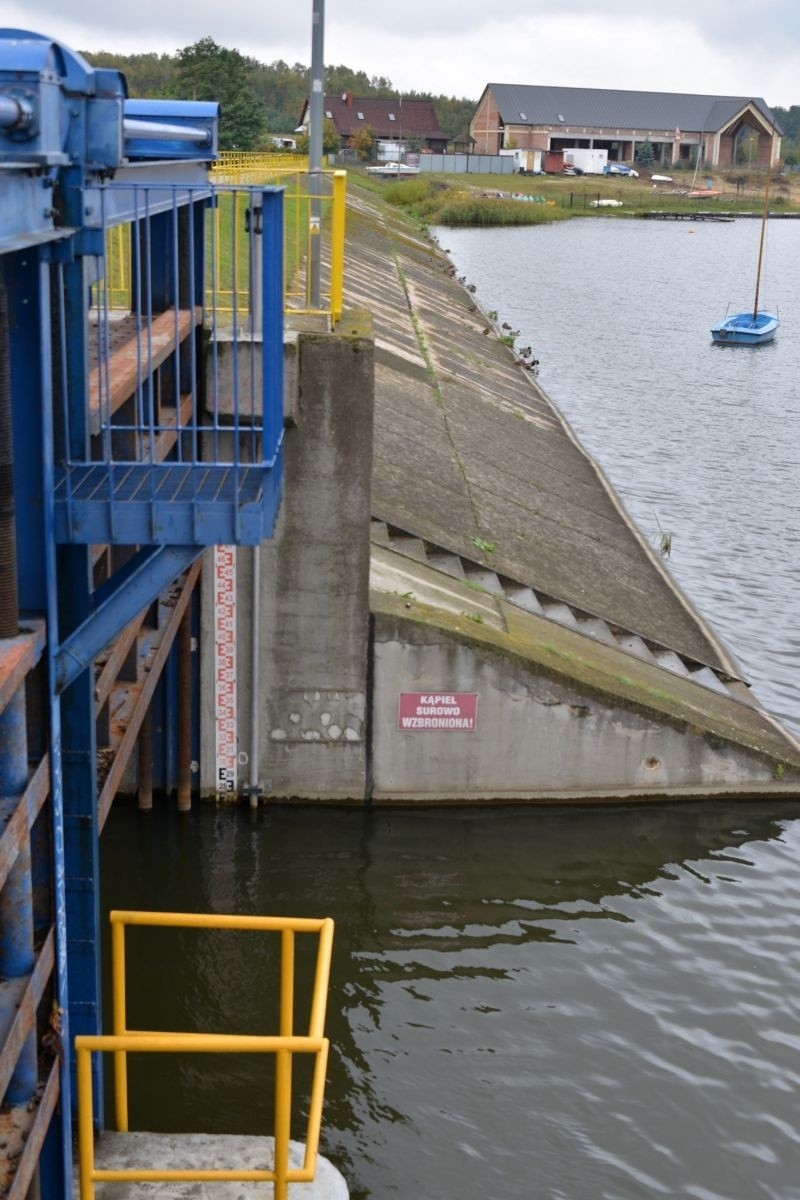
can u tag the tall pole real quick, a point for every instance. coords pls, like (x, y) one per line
(316, 116)
(763, 226)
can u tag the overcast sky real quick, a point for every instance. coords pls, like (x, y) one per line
(717, 47)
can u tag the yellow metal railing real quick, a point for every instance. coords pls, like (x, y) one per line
(117, 279)
(235, 161)
(286, 1044)
(229, 251)
(307, 218)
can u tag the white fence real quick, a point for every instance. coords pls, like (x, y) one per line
(466, 164)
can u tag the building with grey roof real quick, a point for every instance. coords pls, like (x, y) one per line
(678, 126)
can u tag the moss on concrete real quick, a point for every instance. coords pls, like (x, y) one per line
(559, 653)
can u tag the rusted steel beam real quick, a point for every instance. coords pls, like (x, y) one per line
(25, 1020)
(18, 823)
(132, 361)
(31, 1144)
(117, 655)
(128, 743)
(18, 656)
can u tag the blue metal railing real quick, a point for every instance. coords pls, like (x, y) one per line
(162, 468)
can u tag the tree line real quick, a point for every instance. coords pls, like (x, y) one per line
(259, 100)
(789, 121)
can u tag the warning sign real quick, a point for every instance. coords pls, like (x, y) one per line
(448, 712)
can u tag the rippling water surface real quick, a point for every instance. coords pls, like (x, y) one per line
(701, 441)
(547, 1004)
(553, 1004)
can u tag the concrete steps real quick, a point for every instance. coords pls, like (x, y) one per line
(530, 599)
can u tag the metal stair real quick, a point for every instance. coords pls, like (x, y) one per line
(552, 608)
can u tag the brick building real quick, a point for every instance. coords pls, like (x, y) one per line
(675, 124)
(393, 120)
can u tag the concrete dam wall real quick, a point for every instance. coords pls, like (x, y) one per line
(456, 606)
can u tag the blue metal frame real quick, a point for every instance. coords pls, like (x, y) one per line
(209, 491)
(28, 281)
(65, 129)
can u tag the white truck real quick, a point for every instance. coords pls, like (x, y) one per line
(587, 162)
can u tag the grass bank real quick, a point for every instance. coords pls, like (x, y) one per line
(434, 202)
(482, 200)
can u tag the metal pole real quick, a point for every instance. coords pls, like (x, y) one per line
(151, 132)
(255, 678)
(145, 793)
(316, 116)
(256, 272)
(184, 640)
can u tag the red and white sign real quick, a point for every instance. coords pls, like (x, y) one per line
(447, 712)
(226, 733)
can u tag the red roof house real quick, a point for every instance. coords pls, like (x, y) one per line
(394, 119)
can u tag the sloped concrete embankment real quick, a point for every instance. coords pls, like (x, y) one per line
(505, 566)
(507, 588)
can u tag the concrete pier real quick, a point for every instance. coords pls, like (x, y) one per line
(181, 1152)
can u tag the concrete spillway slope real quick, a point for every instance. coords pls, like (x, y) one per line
(479, 483)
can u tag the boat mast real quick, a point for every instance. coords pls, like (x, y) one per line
(763, 230)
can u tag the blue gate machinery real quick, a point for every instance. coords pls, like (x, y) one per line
(130, 440)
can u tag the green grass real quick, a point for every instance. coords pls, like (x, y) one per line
(406, 193)
(460, 199)
(474, 211)
(226, 233)
(433, 201)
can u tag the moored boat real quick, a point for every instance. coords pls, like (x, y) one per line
(756, 327)
(746, 329)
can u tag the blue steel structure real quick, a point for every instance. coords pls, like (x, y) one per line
(122, 456)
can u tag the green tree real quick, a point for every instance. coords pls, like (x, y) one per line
(788, 120)
(275, 92)
(146, 74)
(340, 79)
(207, 71)
(331, 142)
(645, 155)
(364, 143)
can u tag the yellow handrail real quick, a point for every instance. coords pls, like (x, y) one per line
(283, 1046)
(281, 1174)
(229, 249)
(337, 244)
(232, 162)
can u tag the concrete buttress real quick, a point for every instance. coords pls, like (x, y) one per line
(312, 666)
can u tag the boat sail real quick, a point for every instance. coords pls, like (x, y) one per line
(750, 328)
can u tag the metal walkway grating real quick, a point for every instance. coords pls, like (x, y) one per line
(166, 503)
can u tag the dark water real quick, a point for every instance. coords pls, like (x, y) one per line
(700, 441)
(555, 1004)
(546, 1004)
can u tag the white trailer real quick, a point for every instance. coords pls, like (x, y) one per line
(590, 162)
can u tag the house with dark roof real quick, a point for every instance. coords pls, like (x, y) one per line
(393, 120)
(678, 126)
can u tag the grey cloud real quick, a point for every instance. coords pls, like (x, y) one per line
(770, 25)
